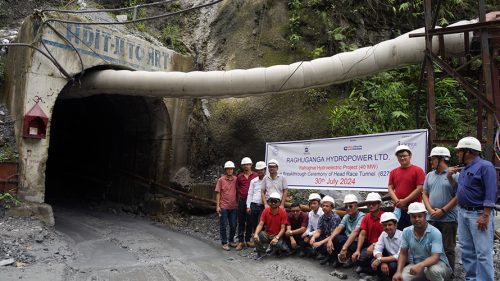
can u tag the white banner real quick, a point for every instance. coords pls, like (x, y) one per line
(346, 163)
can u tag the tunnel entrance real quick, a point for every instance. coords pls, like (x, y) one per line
(103, 147)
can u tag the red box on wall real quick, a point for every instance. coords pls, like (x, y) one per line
(35, 123)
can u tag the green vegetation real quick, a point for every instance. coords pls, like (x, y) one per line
(386, 102)
(8, 154)
(171, 37)
(8, 201)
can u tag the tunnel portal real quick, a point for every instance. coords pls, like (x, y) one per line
(101, 146)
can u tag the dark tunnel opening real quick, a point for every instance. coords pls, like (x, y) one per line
(102, 147)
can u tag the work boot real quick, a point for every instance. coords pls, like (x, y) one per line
(233, 244)
(324, 261)
(250, 244)
(348, 264)
(240, 246)
(335, 263)
(358, 269)
(320, 257)
(302, 253)
(225, 247)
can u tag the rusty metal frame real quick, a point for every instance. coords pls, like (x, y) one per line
(488, 94)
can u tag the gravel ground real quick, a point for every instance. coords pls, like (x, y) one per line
(31, 244)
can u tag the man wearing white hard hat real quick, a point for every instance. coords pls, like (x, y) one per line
(313, 218)
(243, 184)
(477, 194)
(345, 236)
(275, 220)
(274, 183)
(255, 206)
(370, 230)
(405, 184)
(421, 256)
(321, 239)
(440, 200)
(227, 205)
(386, 250)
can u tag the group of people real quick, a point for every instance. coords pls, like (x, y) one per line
(415, 242)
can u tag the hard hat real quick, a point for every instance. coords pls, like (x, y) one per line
(260, 165)
(469, 142)
(246, 160)
(327, 199)
(373, 196)
(388, 216)
(275, 195)
(402, 148)
(350, 198)
(273, 162)
(440, 151)
(416, 207)
(229, 164)
(314, 196)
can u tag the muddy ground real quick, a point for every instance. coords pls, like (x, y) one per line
(91, 244)
(106, 243)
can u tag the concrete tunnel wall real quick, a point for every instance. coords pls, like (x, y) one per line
(32, 79)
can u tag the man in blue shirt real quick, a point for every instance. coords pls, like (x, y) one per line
(422, 248)
(440, 200)
(476, 192)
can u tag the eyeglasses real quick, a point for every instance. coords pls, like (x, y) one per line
(274, 201)
(350, 206)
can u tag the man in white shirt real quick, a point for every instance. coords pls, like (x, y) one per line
(386, 250)
(254, 198)
(314, 214)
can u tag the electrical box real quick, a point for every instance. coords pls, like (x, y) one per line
(35, 123)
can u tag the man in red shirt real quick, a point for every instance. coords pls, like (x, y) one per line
(405, 185)
(275, 220)
(371, 228)
(243, 181)
(227, 204)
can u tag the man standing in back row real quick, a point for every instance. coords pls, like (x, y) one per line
(227, 205)
(405, 184)
(477, 193)
(440, 200)
(243, 182)
(274, 183)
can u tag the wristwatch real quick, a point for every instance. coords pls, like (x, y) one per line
(379, 259)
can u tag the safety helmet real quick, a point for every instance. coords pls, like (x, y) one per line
(273, 162)
(373, 197)
(350, 198)
(470, 143)
(260, 165)
(416, 207)
(246, 160)
(328, 199)
(229, 164)
(314, 196)
(275, 195)
(440, 151)
(400, 148)
(388, 216)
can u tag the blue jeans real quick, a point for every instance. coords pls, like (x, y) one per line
(227, 215)
(476, 246)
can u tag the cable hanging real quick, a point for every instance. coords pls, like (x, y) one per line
(136, 20)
